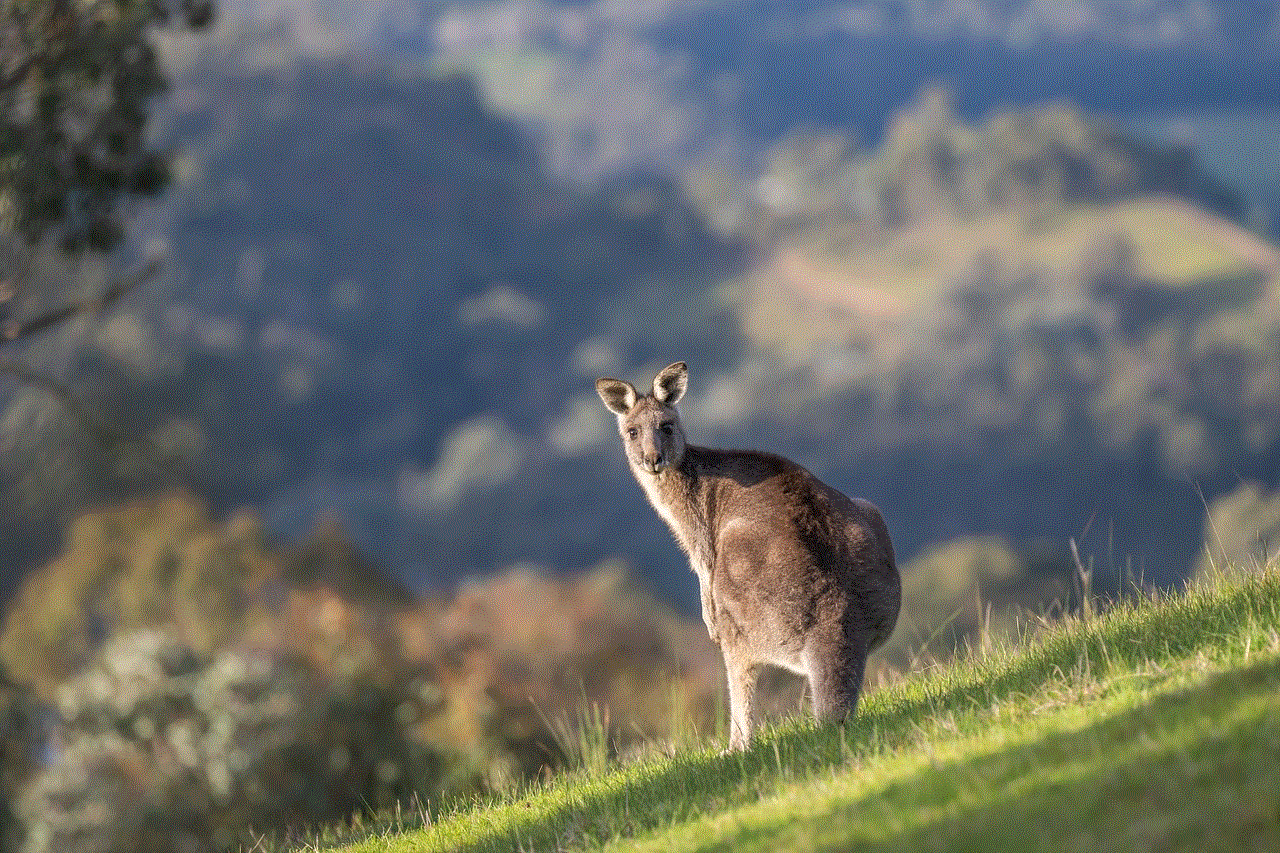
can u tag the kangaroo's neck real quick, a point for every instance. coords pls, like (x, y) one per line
(684, 496)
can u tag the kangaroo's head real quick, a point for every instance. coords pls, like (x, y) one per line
(649, 423)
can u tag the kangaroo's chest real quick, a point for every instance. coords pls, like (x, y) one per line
(687, 523)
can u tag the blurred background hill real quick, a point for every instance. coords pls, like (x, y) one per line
(391, 282)
(1007, 269)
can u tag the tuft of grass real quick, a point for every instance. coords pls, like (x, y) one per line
(1153, 724)
(587, 742)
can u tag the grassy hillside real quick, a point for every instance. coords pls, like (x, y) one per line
(1174, 244)
(842, 274)
(1155, 725)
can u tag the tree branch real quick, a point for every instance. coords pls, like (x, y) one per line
(13, 330)
(108, 437)
(18, 75)
(104, 434)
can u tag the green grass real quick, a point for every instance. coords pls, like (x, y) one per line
(804, 295)
(1174, 244)
(1154, 726)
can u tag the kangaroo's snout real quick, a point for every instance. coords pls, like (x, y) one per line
(651, 455)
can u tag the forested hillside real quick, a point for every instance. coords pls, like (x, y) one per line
(383, 304)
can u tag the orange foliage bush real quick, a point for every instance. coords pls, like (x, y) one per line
(495, 668)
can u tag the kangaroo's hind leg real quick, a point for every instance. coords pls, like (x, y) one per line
(742, 676)
(835, 666)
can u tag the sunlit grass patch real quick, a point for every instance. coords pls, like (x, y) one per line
(1152, 722)
(1173, 243)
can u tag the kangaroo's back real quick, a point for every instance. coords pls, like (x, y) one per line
(789, 543)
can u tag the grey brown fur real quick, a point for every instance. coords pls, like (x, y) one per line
(792, 572)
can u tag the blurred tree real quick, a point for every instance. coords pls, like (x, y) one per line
(932, 163)
(17, 738)
(160, 749)
(77, 80)
(1241, 531)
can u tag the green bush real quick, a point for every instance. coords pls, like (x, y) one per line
(159, 749)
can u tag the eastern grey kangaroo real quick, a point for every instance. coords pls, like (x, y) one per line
(792, 573)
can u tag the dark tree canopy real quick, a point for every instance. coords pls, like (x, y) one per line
(76, 81)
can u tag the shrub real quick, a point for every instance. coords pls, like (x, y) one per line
(160, 749)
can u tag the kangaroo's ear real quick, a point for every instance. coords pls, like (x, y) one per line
(619, 396)
(669, 384)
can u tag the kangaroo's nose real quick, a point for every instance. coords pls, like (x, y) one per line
(653, 461)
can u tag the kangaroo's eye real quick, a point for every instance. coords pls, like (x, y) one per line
(666, 429)
(632, 432)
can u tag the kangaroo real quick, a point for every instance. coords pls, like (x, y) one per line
(792, 573)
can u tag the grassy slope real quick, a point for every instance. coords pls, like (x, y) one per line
(1151, 727)
(1174, 245)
